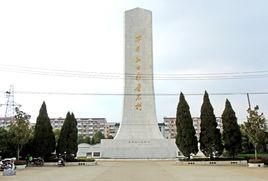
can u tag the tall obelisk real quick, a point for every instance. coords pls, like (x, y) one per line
(139, 135)
(139, 116)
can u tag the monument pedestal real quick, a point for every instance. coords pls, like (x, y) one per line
(139, 149)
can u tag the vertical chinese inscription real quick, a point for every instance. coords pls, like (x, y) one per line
(138, 88)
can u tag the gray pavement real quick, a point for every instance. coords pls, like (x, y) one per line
(141, 170)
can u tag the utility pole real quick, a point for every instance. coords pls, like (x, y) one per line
(249, 105)
(10, 107)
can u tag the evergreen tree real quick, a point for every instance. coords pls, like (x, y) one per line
(67, 142)
(4, 141)
(210, 138)
(44, 138)
(63, 138)
(218, 144)
(231, 131)
(186, 139)
(73, 136)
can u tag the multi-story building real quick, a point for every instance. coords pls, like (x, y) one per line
(6, 121)
(161, 127)
(111, 129)
(197, 123)
(85, 126)
(170, 127)
(171, 130)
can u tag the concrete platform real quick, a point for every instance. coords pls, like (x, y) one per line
(141, 170)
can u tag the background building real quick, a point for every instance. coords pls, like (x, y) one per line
(6, 121)
(111, 129)
(85, 126)
(171, 129)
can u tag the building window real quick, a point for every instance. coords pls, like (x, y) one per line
(96, 154)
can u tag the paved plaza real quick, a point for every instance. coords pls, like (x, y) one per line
(141, 170)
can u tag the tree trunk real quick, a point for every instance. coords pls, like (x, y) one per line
(18, 152)
(255, 147)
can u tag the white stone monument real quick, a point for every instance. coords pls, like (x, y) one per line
(139, 135)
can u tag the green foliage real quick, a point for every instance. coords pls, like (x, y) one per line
(44, 138)
(85, 159)
(218, 144)
(4, 141)
(231, 131)
(20, 130)
(97, 137)
(260, 155)
(247, 147)
(67, 142)
(210, 137)
(255, 128)
(83, 139)
(186, 139)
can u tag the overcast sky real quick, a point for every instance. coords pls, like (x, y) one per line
(189, 36)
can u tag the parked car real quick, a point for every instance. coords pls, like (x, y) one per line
(7, 163)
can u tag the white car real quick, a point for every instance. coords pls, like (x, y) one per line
(5, 162)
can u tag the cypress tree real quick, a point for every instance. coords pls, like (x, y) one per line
(231, 131)
(73, 137)
(186, 139)
(63, 138)
(44, 138)
(67, 142)
(218, 143)
(210, 137)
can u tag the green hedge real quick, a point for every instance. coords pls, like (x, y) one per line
(84, 159)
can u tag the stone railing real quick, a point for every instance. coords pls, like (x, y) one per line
(233, 162)
(53, 164)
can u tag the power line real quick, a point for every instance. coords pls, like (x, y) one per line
(105, 75)
(122, 94)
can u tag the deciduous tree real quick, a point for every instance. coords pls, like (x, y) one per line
(97, 137)
(255, 128)
(20, 131)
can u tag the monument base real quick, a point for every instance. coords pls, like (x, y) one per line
(139, 149)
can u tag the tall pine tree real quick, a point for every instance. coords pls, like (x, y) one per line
(231, 131)
(73, 144)
(44, 138)
(210, 137)
(186, 139)
(67, 142)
